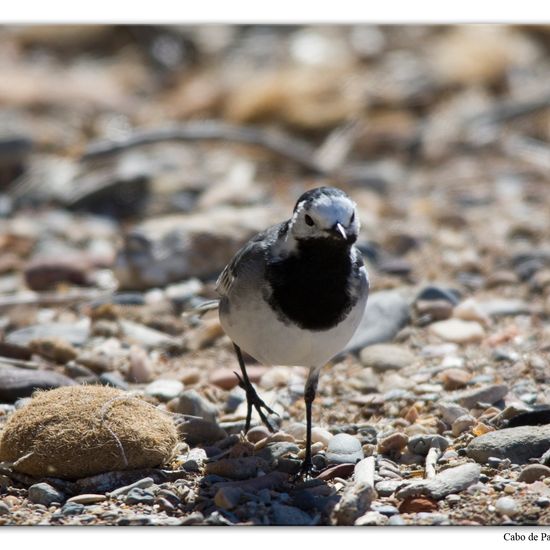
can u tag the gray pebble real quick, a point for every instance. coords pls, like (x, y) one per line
(191, 402)
(344, 448)
(274, 451)
(506, 506)
(451, 411)
(16, 382)
(4, 509)
(114, 380)
(71, 509)
(43, 493)
(518, 444)
(387, 487)
(385, 509)
(137, 495)
(289, 515)
(141, 484)
(164, 389)
(488, 394)
(421, 444)
(372, 518)
(396, 520)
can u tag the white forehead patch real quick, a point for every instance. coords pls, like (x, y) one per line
(330, 210)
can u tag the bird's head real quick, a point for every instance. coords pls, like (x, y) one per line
(325, 213)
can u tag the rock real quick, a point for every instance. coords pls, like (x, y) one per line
(164, 389)
(387, 312)
(458, 331)
(43, 493)
(394, 442)
(165, 250)
(224, 378)
(454, 379)
(54, 349)
(228, 497)
(143, 483)
(533, 472)
(320, 435)
(518, 444)
(344, 448)
(196, 430)
(396, 520)
(139, 371)
(487, 394)
(463, 423)
(114, 380)
(433, 310)
(47, 273)
(205, 334)
(415, 505)
(471, 310)
(192, 403)
(257, 434)
(87, 498)
(382, 357)
(503, 307)
(4, 509)
(139, 495)
(372, 518)
(421, 444)
(451, 411)
(272, 452)
(437, 293)
(237, 468)
(507, 506)
(450, 481)
(289, 515)
(142, 335)
(386, 509)
(75, 334)
(387, 487)
(298, 430)
(16, 383)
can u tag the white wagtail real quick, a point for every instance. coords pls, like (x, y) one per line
(295, 294)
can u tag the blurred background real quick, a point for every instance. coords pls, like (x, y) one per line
(134, 157)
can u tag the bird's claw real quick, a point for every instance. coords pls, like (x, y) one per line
(254, 399)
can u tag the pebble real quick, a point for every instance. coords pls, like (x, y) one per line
(196, 431)
(139, 371)
(383, 357)
(289, 515)
(487, 394)
(43, 493)
(386, 313)
(396, 520)
(463, 423)
(257, 434)
(507, 506)
(4, 509)
(164, 389)
(455, 379)
(518, 444)
(274, 451)
(385, 509)
(298, 430)
(228, 497)
(421, 444)
(344, 448)
(415, 505)
(387, 487)
(237, 468)
(76, 334)
(87, 498)
(502, 307)
(192, 403)
(470, 310)
(113, 379)
(458, 331)
(433, 310)
(372, 518)
(451, 480)
(534, 472)
(394, 442)
(143, 483)
(321, 435)
(437, 293)
(71, 509)
(139, 495)
(451, 411)
(16, 382)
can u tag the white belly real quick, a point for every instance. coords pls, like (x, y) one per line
(257, 330)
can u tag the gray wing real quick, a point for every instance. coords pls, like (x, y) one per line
(253, 251)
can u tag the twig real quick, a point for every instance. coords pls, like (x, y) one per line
(431, 460)
(286, 146)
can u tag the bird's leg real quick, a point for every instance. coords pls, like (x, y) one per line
(252, 398)
(309, 396)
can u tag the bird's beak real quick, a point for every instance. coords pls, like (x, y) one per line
(340, 231)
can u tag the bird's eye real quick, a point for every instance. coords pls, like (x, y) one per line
(309, 220)
(352, 219)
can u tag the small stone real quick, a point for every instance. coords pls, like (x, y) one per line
(71, 509)
(43, 493)
(451, 411)
(534, 472)
(470, 310)
(437, 293)
(458, 331)
(487, 394)
(228, 497)
(87, 498)
(417, 504)
(421, 444)
(224, 378)
(455, 379)
(385, 509)
(257, 434)
(507, 506)
(237, 468)
(139, 371)
(387, 487)
(4, 509)
(55, 349)
(394, 442)
(113, 379)
(344, 448)
(164, 389)
(289, 515)
(372, 518)
(298, 431)
(320, 435)
(138, 495)
(463, 423)
(16, 383)
(396, 520)
(518, 444)
(383, 357)
(190, 402)
(433, 310)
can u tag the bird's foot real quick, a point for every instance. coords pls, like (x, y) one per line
(307, 471)
(255, 401)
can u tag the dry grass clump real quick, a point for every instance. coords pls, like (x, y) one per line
(79, 431)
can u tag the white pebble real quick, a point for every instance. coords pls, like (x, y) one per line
(320, 435)
(507, 506)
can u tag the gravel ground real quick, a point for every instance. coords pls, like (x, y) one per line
(435, 414)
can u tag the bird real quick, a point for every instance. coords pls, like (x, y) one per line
(295, 294)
